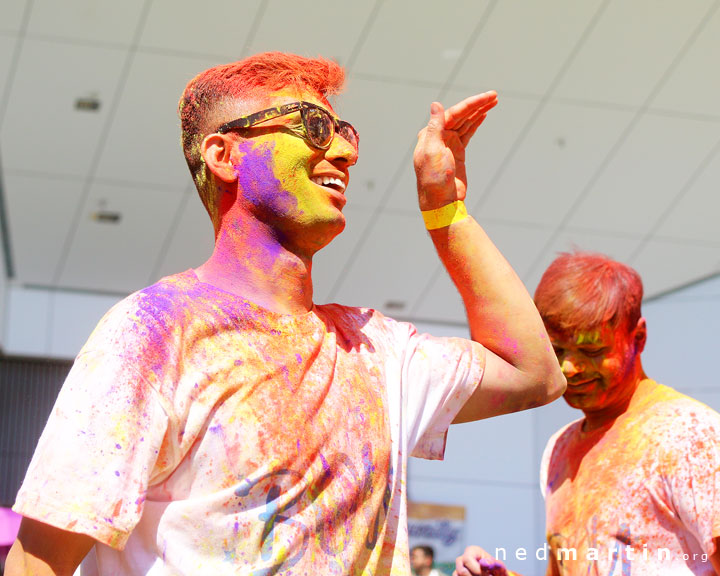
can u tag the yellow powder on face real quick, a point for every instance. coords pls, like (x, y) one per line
(588, 337)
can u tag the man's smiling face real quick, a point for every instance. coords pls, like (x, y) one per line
(294, 187)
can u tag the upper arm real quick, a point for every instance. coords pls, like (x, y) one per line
(505, 389)
(41, 549)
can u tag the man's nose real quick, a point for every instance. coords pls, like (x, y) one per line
(570, 367)
(341, 149)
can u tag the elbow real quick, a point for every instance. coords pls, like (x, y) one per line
(555, 383)
(550, 385)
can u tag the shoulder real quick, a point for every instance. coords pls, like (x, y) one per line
(672, 412)
(372, 324)
(147, 314)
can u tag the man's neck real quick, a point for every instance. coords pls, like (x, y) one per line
(252, 263)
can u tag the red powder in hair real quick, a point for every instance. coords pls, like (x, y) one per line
(253, 77)
(583, 290)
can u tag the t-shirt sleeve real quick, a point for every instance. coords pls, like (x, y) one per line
(691, 465)
(103, 441)
(439, 375)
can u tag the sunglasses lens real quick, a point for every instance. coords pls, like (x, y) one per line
(349, 135)
(319, 127)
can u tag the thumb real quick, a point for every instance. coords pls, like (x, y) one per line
(437, 118)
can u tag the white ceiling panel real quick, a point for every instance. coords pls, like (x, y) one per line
(485, 154)
(515, 52)
(42, 130)
(693, 87)
(119, 257)
(144, 141)
(618, 247)
(307, 36)
(329, 264)
(665, 265)
(695, 216)
(630, 49)
(396, 261)
(418, 39)
(554, 162)
(440, 302)
(11, 15)
(40, 212)
(185, 26)
(190, 240)
(388, 117)
(101, 21)
(654, 163)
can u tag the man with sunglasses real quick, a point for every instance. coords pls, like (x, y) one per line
(219, 422)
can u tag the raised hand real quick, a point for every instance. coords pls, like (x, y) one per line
(439, 156)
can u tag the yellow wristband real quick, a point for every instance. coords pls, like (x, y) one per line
(445, 215)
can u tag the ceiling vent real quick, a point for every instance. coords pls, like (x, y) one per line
(88, 104)
(106, 217)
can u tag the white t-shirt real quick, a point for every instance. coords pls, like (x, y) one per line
(639, 496)
(198, 433)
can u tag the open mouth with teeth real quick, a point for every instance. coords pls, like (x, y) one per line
(330, 182)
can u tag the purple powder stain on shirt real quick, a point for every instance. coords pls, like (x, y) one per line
(117, 473)
(118, 446)
(298, 357)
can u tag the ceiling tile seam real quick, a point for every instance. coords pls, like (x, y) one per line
(364, 33)
(664, 77)
(175, 53)
(24, 172)
(680, 241)
(69, 290)
(667, 113)
(165, 246)
(257, 19)
(684, 189)
(486, 193)
(102, 142)
(684, 286)
(81, 42)
(17, 51)
(395, 81)
(601, 232)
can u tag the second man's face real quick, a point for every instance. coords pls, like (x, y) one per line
(599, 365)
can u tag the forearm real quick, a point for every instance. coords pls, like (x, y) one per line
(43, 550)
(501, 313)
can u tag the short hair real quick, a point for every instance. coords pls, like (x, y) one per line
(427, 550)
(216, 91)
(584, 290)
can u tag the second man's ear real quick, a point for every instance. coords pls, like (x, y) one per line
(216, 150)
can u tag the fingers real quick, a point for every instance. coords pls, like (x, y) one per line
(470, 131)
(456, 115)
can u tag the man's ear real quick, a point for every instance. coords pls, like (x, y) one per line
(640, 335)
(216, 151)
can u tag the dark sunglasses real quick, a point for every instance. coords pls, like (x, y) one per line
(318, 125)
